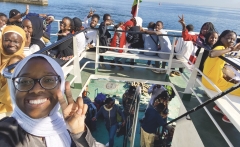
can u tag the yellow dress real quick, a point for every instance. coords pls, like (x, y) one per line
(213, 70)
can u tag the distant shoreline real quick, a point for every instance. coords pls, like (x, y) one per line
(32, 2)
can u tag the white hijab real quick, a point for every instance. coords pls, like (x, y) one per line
(53, 127)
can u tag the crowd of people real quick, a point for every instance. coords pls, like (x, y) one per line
(38, 83)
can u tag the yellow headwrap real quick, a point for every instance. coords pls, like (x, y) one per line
(5, 101)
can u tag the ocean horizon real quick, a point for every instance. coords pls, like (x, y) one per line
(222, 18)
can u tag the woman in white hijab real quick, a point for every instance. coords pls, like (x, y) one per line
(37, 89)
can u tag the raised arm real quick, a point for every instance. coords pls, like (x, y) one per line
(185, 35)
(216, 52)
(15, 18)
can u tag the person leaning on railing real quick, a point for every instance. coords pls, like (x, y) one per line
(213, 65)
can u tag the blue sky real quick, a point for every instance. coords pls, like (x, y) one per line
(215, 3)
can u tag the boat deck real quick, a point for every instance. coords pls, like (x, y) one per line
(207, 131)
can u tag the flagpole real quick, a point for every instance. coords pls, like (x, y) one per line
(137, 8)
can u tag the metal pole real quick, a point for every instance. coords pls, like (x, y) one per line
(134, 124)
(206, 102)
(137, 8)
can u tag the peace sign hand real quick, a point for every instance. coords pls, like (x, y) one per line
(181, 19)
(73, 112)
(91, 12)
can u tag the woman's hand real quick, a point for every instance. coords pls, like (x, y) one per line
(28, 40)
(73, 111)
(236, 47)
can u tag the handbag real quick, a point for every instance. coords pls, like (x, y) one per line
(192, 57)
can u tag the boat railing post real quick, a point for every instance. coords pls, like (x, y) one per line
(135, 117)
(76, 66)
(97, 53)
(187, 92)
(170, 59)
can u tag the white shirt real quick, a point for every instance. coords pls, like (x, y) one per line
(90, 34)
(155, 92)
(30, 50)
(165, 45)
(185, 48)
(81, 40)
(150, 43)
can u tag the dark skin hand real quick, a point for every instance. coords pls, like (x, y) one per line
(73, 111)
(28, 40)
(217, 53)
(91, 12)
(182, 22)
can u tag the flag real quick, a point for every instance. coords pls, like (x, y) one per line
(134, 7)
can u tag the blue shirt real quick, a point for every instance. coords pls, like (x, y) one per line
(152, 120)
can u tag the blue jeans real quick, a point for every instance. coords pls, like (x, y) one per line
(112, 131)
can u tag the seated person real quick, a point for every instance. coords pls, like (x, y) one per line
(36, 120)
(213, 65)
(64, 51)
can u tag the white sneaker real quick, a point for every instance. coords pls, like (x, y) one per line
(159, 71)
(107, 144)
(150, 66)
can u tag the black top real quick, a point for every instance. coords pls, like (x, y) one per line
(66, 48)
(135, 39)
(12, 135)
(103, 36)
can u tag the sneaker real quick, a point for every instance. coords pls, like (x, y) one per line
(225, 119)
(215, 108)
(107, 144)
(156, 70)
(172, 74)
(177, 73)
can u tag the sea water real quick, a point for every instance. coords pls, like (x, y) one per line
(222, 18)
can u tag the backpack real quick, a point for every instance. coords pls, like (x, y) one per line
(170, 92)
(99, 100)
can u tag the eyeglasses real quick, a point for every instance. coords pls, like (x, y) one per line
(25, 84)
